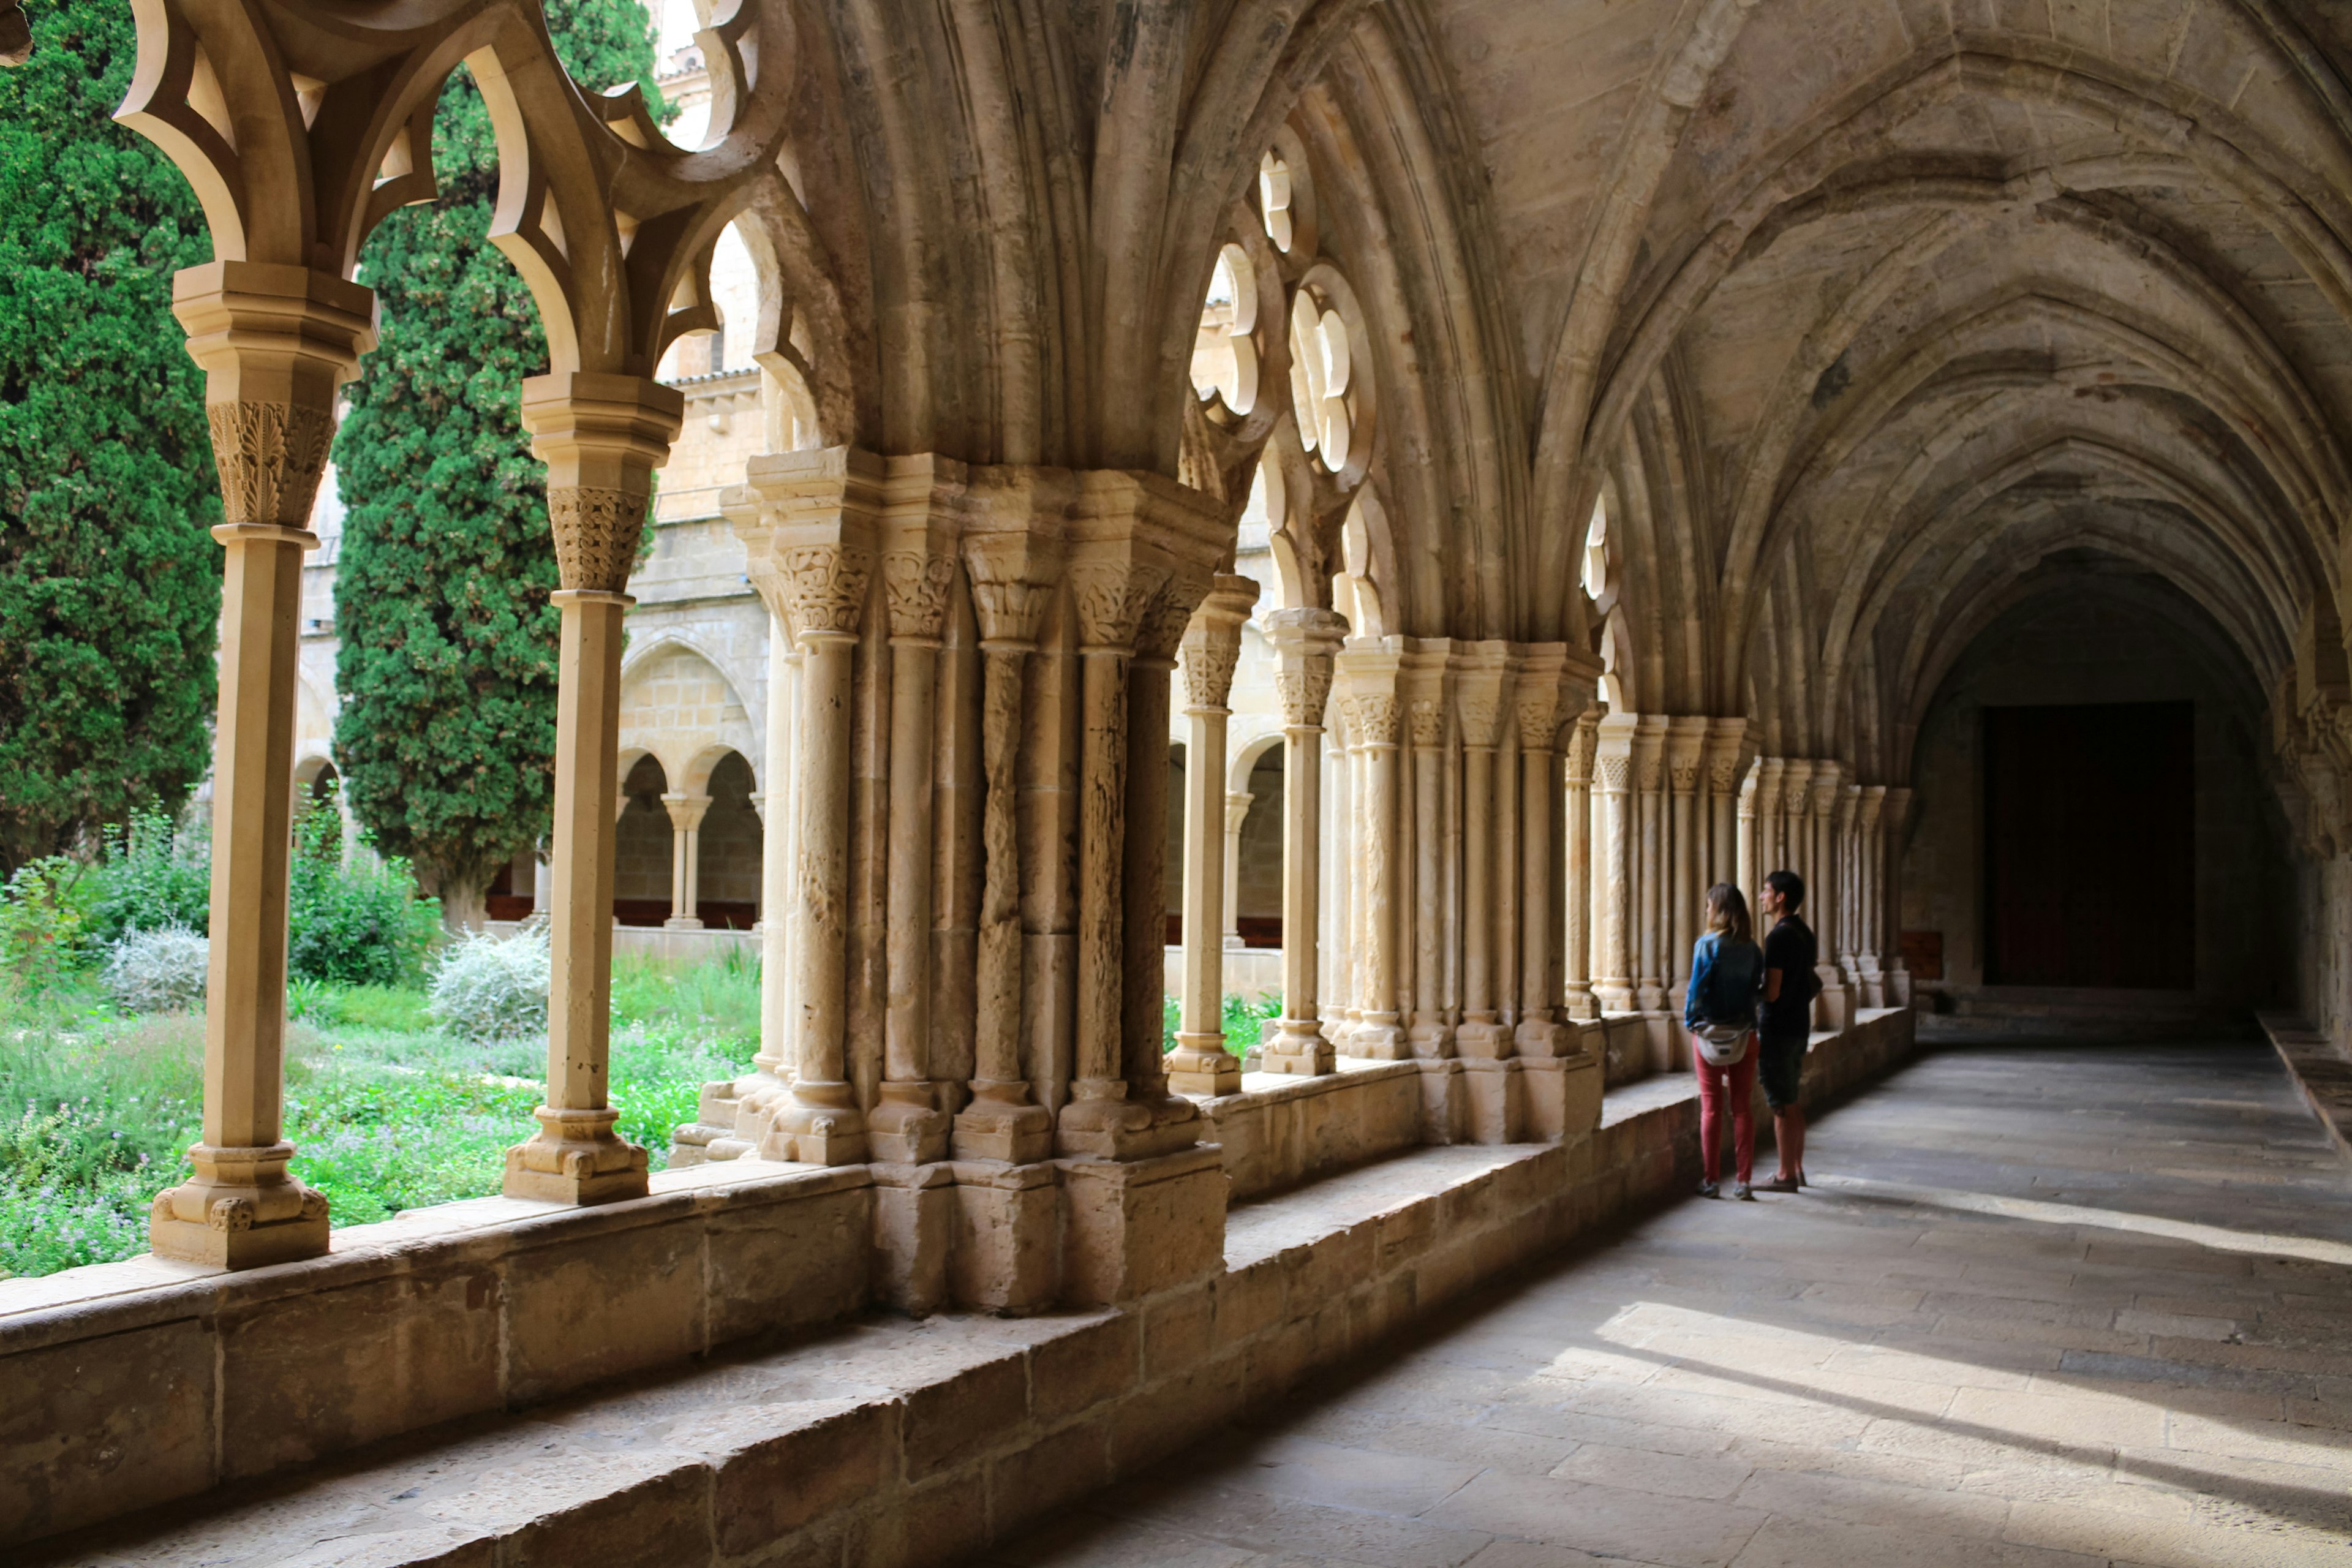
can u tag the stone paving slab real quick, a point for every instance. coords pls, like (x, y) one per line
(2048, 1307)
(2322, 1075)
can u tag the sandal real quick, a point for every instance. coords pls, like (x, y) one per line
(1779, 1185)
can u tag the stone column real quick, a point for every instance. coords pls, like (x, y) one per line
(1425, 712)
(1144, 939)
(1538, 712)
(1894, 817)
(1368, 678)
(1845, 832)
(1013, 556)
(1580, 1001)
(1685, 765)
(1333, 854)
(273, 343)
(1765, 804)
(1479, 694)
(1749, 878)
(918, 543)
(1304, 641)
(1796, 837)
(686, 813)
(1829, 924)
(1869, 863)
(1237, 812)
(772, 1064)
(600, 437)
(1612, 779)
(812, 552)
(1725, 740)
(1212, 643)
(1650, 864)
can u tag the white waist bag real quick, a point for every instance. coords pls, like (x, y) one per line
(1722, 1045)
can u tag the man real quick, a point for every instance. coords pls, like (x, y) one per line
(1784, 1020)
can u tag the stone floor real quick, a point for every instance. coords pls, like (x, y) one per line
(2049, 1305)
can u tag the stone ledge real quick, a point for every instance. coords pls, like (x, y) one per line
(897, 1443)
(2321, 1074)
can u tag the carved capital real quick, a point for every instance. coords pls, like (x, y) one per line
(1428, 722)
(1873, 800)
(1304, 641)
(1583, 745)
(269, 456)
(1375, 718)
(824, 586)
(1208, 668)
(1160, 630)
(596, 533)
(916, 586)
(1538, 720)
(1110, 599)
(1613, 774)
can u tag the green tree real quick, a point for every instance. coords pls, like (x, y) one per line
(446, 736)
(109, 583)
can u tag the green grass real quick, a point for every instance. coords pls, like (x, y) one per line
(1243, 1016)
(97, 1109)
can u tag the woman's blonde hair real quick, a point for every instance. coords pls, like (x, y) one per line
(1726, 912)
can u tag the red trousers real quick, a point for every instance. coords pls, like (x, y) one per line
(1736, 1083)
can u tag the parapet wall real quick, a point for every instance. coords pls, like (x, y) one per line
(130, 1385)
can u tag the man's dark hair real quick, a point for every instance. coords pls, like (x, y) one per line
(1792, 889)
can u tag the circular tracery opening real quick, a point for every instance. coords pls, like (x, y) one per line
(1321, 383)
(1225, 356)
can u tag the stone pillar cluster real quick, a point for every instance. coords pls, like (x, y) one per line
(1451, 867)
(971, 887)
(1844, 839)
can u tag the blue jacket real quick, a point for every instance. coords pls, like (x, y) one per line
(1726, 979)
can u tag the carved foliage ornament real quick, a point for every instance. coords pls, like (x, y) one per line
(1479, 715)
(1110, 602)
(596, 533)
(825, 584)
(1303, 686)
(1539, 723)
(1373, 719)
(1209, 670)
(269, 456)
(918, 591)
(1008, 612)
(1428, 724)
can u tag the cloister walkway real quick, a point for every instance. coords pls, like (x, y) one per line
(2050, 1305)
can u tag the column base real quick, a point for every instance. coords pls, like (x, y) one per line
(1649, 996)
(914, 1232)
(1102, 1123)
(816, 1125)
(1563, 1098)
(1482, 1038)
(1582, 1004)
(575, 1157)
(1493, 1100)
(1000, 1124)
(1899, 987)
(1380, 1038)
(1540, 1037)
(1430, 1038)
(682, 923)
(1006, 1256)
(1832, 1010)
(1201, 1065)
(1445, 1108)
(1293, 1046)
(1133, 1226)
(907, 1127)
(241, 1210)
(1614, 995)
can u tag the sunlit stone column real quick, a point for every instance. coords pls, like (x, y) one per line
(686, 813)
(273, 343)
(1237, 812)
(771, 1065)
(1650, 876)
(1367, 676)
(1424, 690)
(1013, 556)
(1334, 854)
(812, 549)
(1478, 704)
(1612, 780)
(600, 437)
(1538, 716)
(917, 545)
(1746, 876)
(1766, 803)
(1305, 642)
(1580, 1001)
(1212, 643)
(1685, 765)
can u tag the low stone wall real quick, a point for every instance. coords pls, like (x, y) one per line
(1281, 1132)
(135, 1384)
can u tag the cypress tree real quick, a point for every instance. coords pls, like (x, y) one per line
(447, 733)
(110, 583)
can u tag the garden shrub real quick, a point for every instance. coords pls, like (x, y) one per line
(43, 913)
(160, 971)
(492, 988)
(352, 922)
(151, 875)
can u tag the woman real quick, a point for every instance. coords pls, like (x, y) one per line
(1719, 1011)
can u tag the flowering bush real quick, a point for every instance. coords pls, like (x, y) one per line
(490, 988)
(159, 971)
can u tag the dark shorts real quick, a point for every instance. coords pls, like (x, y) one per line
(1778, 1065)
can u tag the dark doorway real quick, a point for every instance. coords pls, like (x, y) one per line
(2090, 846)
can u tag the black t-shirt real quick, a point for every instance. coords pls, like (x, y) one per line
(1789, 947)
